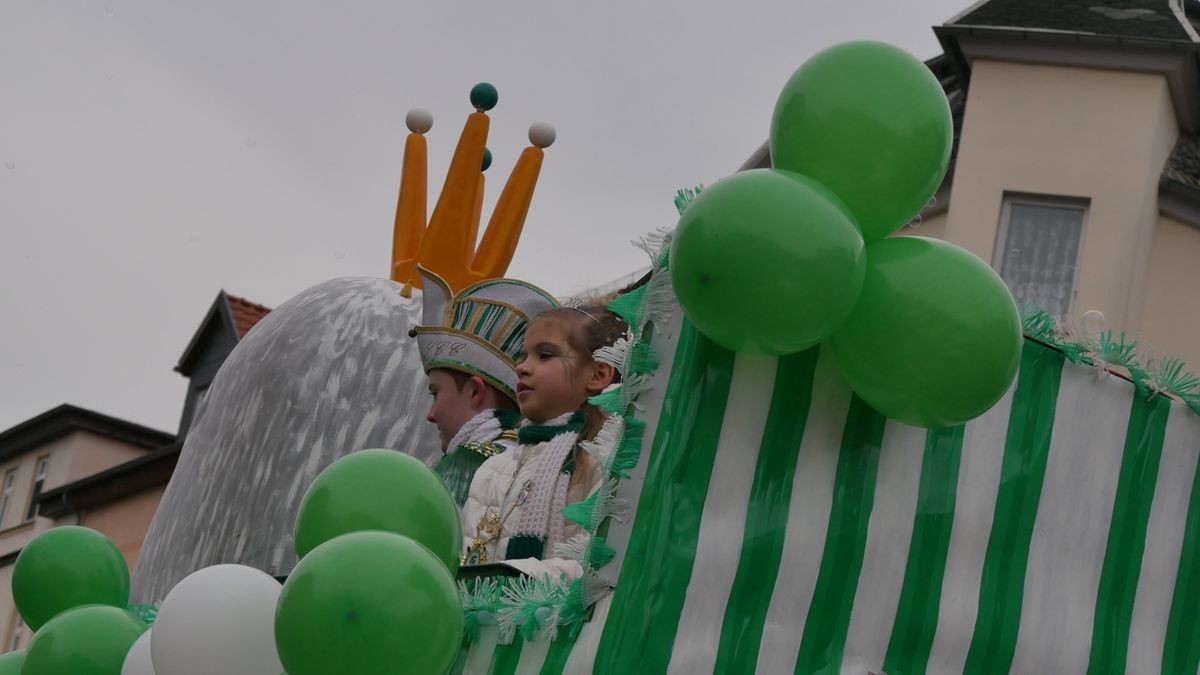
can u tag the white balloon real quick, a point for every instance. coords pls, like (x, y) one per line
(137, 661)
(220, 619)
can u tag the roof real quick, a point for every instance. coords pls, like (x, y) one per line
(245, 313)
(65, 419)
(230, 313)
(1138, 19)
(150, 470)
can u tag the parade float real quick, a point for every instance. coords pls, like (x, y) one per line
(833, 450)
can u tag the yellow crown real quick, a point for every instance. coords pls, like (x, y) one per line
(447, 245)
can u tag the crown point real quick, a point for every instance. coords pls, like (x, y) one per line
(542, 134)
(484, 96)
(487, 159)
(419, 120)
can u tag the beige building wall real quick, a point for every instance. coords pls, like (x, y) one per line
(71, 457)
(1070, 132)
(125, 521)
(1171, 323)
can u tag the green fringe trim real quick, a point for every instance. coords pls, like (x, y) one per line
(600, 553)
(1165, 376)
(626, 306)
(641, 359)
(609, 401)
(1168, 375)
(1121, 352)
(580, 512)
(629, 448)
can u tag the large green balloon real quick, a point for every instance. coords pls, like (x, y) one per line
(365, 603)
(766, 261)
(89, 640)
(66, 567)
(935, 339)
(380, 490)
(871, 123)
(10, 663)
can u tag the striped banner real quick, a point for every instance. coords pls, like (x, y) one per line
(786, 527)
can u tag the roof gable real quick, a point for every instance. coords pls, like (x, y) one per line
(1141, 19)
(58, 422)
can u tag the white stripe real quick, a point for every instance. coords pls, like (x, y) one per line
(808, 519)
(885, 558)
(583, 654)
(479, 657)
(978, 482)
(723, 521)
(533, 655)
(1164, 542)
(1070, 533)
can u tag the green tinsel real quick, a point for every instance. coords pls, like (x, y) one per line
(146, 613)
(685, 196)
(1168, 375)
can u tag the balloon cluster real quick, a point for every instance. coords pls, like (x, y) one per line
(779, 260)
(378, 539)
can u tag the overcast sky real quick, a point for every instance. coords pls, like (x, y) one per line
(155, 152)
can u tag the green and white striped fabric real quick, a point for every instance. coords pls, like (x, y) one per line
(783, 526)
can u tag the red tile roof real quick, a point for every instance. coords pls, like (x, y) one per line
(245, 313)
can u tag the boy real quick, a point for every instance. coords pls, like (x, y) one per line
(469, 345)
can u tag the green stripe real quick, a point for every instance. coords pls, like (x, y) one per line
(920, 596)
(556, 658)
(640, 629)
(1127, 533)
(766, 514)
(1024, 466)
(1181, 649)
(505, 658)
(828, 618)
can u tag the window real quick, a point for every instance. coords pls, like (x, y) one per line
(1037, 249)
(14, 643)
(39, 477)
(10, 479)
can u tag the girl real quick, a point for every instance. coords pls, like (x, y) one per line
(514, 510)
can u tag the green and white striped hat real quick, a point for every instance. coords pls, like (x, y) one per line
(481, 330)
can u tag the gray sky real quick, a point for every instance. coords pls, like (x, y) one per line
(154, 152)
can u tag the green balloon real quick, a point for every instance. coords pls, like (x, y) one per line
(380, 490)
(935, 339)
(766, 261)
(870, 122)
(368, 602)
(10, 663)
(66, 567)
(89, 640)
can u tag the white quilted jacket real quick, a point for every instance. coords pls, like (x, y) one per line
(494, 490)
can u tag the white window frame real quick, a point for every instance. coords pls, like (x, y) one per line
(6, 493)
(1000, 247)
(35, 490)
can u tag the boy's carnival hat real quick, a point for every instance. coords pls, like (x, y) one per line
(481, 330)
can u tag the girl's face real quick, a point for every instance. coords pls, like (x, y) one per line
(553, 377)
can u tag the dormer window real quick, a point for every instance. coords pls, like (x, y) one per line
(1037, 249)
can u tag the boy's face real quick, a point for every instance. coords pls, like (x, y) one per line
(451, 407)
